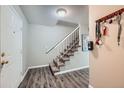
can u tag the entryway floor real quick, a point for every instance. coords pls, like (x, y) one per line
(43, 78)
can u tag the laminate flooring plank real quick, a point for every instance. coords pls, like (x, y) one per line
(84, 73)
(71, 81)
(30, 81)
(46, 85)
(66, 82)
(81, 80)
(59, 82)
(36, 79)
(51, 79)
(43, 78)
(76, 80)
(25, 80)
(82, 76)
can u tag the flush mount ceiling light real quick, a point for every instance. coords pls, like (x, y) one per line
(61, 12)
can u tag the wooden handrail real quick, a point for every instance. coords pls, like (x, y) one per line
(56, 45)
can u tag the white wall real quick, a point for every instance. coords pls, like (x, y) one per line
(0, 28)
(107, 62)
(0, 43)
(24, 39)
(42, 38)
(84, 19)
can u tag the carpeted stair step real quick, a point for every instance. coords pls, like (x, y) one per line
(58, 62)
(77, 46)
(66, 59)
(70, 54)
(53, 68)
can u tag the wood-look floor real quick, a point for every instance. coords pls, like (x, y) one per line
(42, 78)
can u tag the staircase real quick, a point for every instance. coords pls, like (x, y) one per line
(63, 50)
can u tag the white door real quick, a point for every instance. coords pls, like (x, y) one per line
(11, 47)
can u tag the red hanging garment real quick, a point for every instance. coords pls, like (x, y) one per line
(105, 30)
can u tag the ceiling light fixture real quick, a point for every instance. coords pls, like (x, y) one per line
(61, 12)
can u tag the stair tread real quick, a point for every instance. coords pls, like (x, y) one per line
(74, 49)
(70, 54)
(60, 63)
(78, 45)
(54, 68)
(63, 57)
(66, 58)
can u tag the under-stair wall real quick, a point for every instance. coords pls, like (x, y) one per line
(41, 38)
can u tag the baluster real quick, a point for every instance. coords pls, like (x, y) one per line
(56, 52)
(59, 50)
(63, 47)
(70, 39)
(78, 33)
(74, 35)
(65, 43)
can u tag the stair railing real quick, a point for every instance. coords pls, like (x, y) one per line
(54, 51)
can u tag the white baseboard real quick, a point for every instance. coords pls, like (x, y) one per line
(90, 86)
(31, 67)
(23, 76)
(71, 70)
(39, 66)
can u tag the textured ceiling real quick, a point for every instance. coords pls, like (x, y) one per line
(46, 14)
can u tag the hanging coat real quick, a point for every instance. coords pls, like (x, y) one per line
(98, 33)
(119, 28)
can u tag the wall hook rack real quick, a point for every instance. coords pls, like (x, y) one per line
(118, 12)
